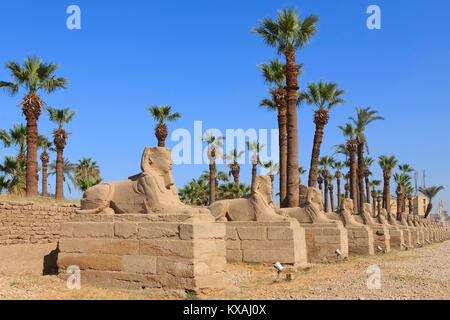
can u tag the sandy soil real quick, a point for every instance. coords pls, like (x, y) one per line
(422, 273)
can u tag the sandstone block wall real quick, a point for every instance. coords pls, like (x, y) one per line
(322, 240)
(381, 237)
(360, 240)
(134, 251)
(266, 242)
(32, 222)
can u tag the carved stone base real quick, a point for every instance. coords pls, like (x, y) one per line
(323, 239)
(175, 251)
(360, 240)
(381, 237)
(397, 239)
(266, 242)
(407, 237)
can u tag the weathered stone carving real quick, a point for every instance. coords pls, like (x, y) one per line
(312, 208)
(346, 213)
(151, 191)
(257, 207)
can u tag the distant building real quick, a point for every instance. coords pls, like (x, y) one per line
(441, 215)
(419, 205)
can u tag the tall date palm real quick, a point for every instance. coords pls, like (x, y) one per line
(33, 76)
(324, 96)
(288, 33)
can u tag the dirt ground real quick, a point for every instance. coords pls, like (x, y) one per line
(421, 273)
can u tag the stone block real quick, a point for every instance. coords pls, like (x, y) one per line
(252, 233)
(102, 246)
(175, 248)
(92, 230)
(139, 264)
(125, 230)
(148, 230)
(105, 262)
(202, 231)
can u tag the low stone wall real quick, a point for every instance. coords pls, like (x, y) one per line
(360, 240)
(176, 251)
(24, 222)
(266, 242)
(323, 239)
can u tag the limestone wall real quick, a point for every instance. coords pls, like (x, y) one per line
(178, 251)
(266, 242)
(24, 222)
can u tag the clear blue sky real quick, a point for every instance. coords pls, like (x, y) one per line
(200, 57)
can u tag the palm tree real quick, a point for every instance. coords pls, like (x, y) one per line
(387, 164)
(373, 184)
(338, 166)
(408, 192)
(331, 188)
(367, 164)
(67, 172)
(214, 144)
(87, 182)
(195, 192)
(45, 145)
(86, 168)
(17, 137)
(60, 116)
(274, 74)
(256, 148)
(326, 162)
(4, 183)
(14, 168)
(430, 192)
(347, 185)
(324, 96)
(401, 180)
(288, 33)
(363, 118)
(235, 169)
(162, 114)
(405, 169)
(33, 76)
(352, 144)
(232, 191)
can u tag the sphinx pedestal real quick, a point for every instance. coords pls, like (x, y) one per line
(381, 237)
(266, 242)
(323, 239)
(175, 251)
(360, 240)
(397, 238)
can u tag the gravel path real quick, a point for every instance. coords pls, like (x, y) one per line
(421, 273)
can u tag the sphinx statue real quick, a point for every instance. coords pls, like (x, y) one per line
(257, 207)
(383, 217)
(151, 191)
(346, 213)
(310, 209)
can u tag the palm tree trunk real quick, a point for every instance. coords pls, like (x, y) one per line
(235, 169)
(429, 207)
(320, 119)
(325, 193)
(32, 139)
(253, 175)
(387, 191)
(280, 101)
(212, 182)
(331, 198)
(338, 182)
(44, 179)
(353, 176)
(361, 169)
(59, 174)
(292, 130)
(367, 187)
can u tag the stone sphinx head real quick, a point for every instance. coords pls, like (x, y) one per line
(314, 197)
(367, 208)
(263, 186)
(158, 161)
(347, 206)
